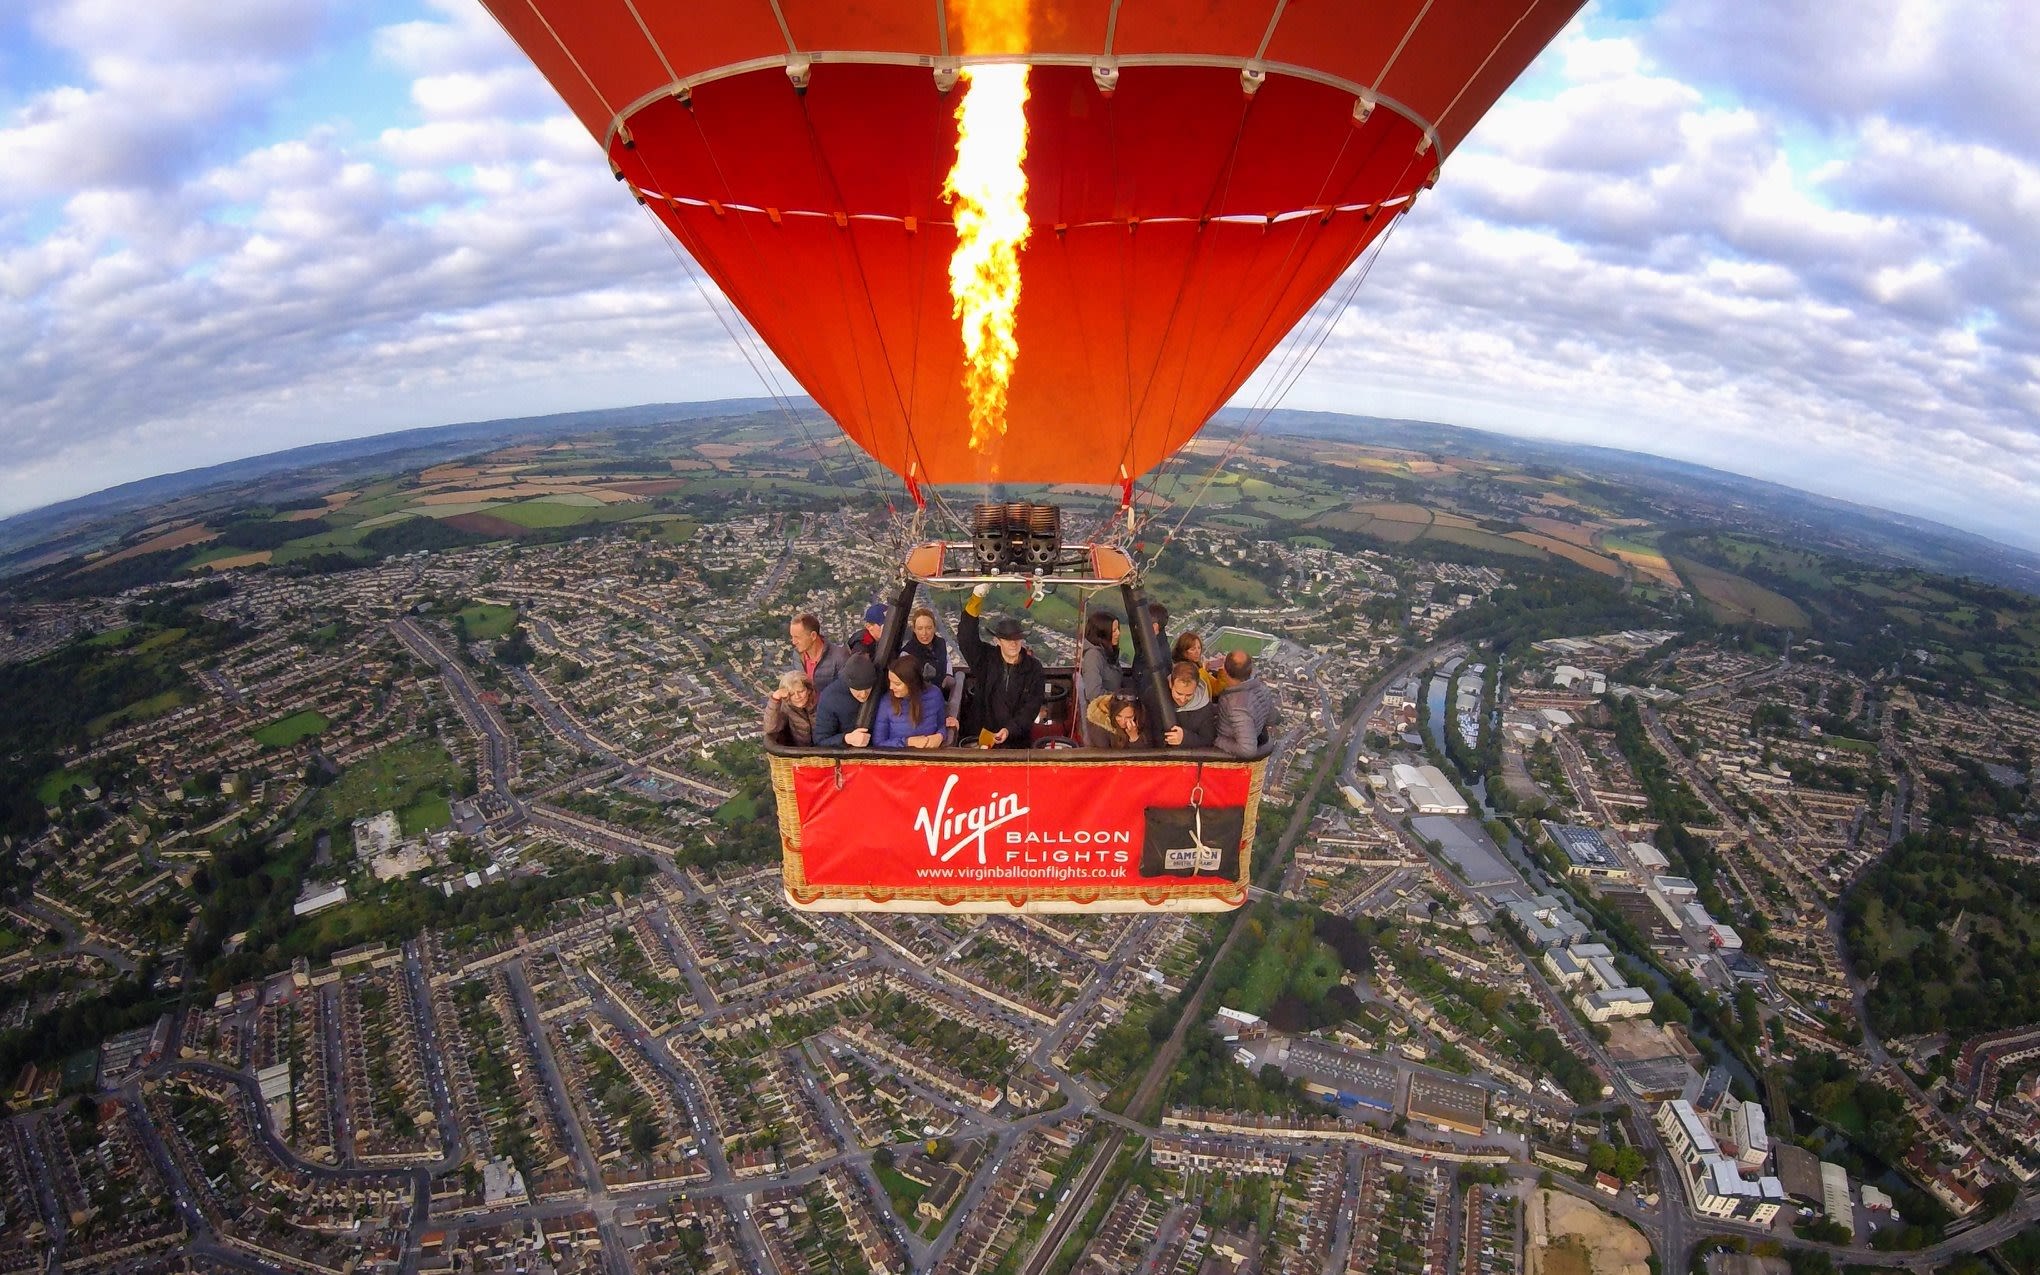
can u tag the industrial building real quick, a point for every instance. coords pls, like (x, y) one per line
(1587, 853)
(1546, 920)
(1715, 1182)
(1448, 1104)
(1427, 790)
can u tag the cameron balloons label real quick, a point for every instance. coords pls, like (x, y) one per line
(1071, 827)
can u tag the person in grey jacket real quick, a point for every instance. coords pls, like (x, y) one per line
(821, 659)
(1098, 669)
(1247, 709)
(1196, 715)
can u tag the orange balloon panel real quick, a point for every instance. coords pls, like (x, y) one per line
(1161, 270)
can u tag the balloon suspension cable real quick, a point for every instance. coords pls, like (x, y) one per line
(1295, 361)
(1289, 256)
(753, 352)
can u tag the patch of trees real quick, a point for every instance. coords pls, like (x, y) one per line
(413, 534)
(1671, 801)
(71, 580)
(1570, 602)
(1871, 1113)
(414, 908)
(325, 564)
(1966, 792)
(1207, 1075)
(1988, 980)
(266, 533)
(58, 1033)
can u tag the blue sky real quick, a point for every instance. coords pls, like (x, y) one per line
(1798, 240)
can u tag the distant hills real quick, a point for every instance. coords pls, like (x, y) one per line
(74, 526)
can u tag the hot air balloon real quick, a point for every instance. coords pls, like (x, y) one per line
(1025, 243)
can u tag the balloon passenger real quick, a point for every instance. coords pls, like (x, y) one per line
(866, 640)
(1190, 647)
(837, 707)
(1247, 708)
(820, 659)
(1098, 671)
(910, 716)
(790, 712)
(926, 645)
(1118, 721)
(1158, 624)
(1007, 684)
(1196, 716)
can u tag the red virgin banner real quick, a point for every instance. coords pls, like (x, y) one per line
(1067, 830)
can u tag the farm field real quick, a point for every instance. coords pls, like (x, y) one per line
(1733, 599)
(182, 538)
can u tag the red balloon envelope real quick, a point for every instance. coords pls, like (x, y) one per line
(1182, 223)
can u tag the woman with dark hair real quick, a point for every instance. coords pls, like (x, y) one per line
(1098, 671)
(1118, 721)
(911, 714)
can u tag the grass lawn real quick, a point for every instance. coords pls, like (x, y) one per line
(57, 782)
(289, 730)
(488, 623)
(429, 812)
(112, 637)
(906, 1195)
(738, 809)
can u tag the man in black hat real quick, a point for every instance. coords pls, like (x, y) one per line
(836, 711)
(1006, 681)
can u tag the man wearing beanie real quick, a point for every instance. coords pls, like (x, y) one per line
(836, 712)
(866, 643)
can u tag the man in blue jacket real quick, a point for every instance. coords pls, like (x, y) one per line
(836, 711)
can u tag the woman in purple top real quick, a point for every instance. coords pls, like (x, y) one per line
(911, 714)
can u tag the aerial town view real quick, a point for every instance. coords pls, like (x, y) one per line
(1019, 637)
(392, 884)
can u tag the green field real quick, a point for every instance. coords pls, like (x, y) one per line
(550, 511)
(289, 730)
(392, 778)
(429, 812)
(140, 711)
(487, 623)
(1732, 599)
(1226, 641)
(51, 790)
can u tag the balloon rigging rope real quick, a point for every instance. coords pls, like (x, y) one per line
(741, 336)
(715, 162)
(1278, 389)
(821, 159)
(1324, 189)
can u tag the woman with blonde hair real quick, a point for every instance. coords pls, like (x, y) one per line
(790, 711)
